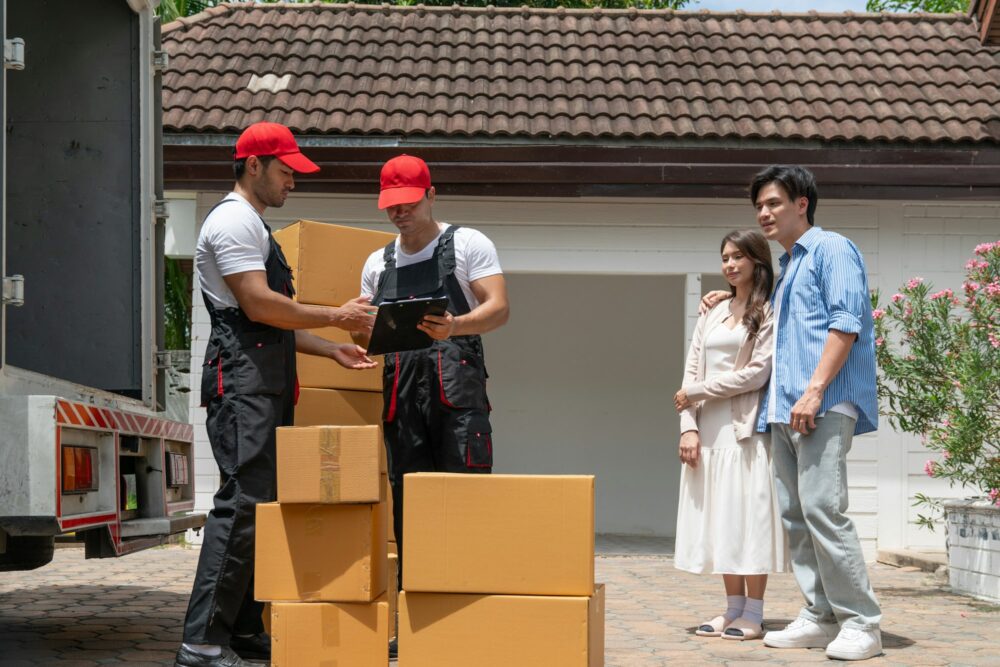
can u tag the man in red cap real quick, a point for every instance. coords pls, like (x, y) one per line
(248, 386)
(436, 411)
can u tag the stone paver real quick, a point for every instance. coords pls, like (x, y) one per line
(129, 611)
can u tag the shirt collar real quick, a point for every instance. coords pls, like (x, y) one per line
(807, 241)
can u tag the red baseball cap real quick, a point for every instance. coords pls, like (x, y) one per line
(404, 180)
(262, 139)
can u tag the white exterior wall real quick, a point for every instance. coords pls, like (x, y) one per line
(646, 237)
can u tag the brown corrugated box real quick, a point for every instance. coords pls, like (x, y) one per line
(330, 464)
(320, 553)
(393, 592)
(319, 407)
(450, 630)
(326, 260)
(321, 634)
(324, 373)
(391, 535)
(515, 534)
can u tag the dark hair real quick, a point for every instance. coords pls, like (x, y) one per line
(794, 180)
(752, 244)
(240, 166)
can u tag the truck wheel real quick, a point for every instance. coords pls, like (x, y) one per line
(26, 552)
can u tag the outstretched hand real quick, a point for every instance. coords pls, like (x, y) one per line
(353, 357)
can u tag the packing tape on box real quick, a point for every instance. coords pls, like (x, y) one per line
(329, 466)
(330, 632)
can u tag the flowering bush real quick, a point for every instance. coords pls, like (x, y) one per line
(939, 356)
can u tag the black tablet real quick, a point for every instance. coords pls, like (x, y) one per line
(395, 327)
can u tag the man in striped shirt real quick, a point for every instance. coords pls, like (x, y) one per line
(822, 393)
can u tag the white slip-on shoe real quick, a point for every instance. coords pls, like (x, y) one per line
(855, 644)
(802, 633)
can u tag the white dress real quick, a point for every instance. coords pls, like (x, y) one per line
(728, 520)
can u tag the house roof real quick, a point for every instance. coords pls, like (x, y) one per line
(571, 75)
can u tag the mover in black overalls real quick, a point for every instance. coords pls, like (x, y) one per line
(436, 414)
(248, 387)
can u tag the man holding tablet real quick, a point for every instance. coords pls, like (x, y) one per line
(436, 414)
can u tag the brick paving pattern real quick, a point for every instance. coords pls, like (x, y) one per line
(82, 613)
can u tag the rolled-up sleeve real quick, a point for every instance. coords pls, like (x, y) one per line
(843, 285)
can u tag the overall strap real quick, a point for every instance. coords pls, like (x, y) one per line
(445, 250)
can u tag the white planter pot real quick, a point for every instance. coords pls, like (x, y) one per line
(974, 548)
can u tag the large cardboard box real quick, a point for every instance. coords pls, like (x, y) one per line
(320, 553)
(320, 407)
(326, 259)
(449, 630)
(324, 373)
(393, 592)
(324, 634)
(516, 534)
(331, 464)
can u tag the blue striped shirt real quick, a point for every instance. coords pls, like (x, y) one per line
(827, 289)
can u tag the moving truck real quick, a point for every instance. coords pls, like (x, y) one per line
(84, 447)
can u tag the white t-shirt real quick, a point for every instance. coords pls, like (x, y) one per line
(233, 239)
(475, 258)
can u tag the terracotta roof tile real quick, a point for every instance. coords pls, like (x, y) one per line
(462, 72)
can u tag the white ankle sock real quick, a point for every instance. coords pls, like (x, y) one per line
(734, 607)
(753, 610)
(205, 649)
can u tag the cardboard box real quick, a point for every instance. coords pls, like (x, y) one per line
(331, 464)
(320, 553)
(323, 373)
(326, 260)
(515, 534)
(448, 630)
(320, 407)
(322, 634)
(393, 593)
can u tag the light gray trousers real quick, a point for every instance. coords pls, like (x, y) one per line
(811, 480)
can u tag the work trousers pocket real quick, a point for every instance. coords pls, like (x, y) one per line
(259, 366)
(461, 378)
(476, 438)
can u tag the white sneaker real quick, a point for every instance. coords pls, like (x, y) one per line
(802, 633)
(855, 644)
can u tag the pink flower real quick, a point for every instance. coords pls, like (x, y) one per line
(947, 455)
(897, 297)
(994, 494)
(975, 264)
(946, 422)
(879, 342)
(970, 286)
(994, 341)
(943, 294)
(993, 289)
(913, 282)
(984, 248)
(930, 468)
(878, 313)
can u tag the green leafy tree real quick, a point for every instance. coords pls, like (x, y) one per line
(913, 6)
(176, 306)
(939, 357)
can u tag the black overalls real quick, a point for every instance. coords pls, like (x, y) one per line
(436, 414)
(248, 387)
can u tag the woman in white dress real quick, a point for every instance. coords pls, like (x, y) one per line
(728, 521)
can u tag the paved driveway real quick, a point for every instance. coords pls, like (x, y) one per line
(129, 611)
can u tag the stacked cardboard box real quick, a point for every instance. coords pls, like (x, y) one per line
(326, 262)
(500, 571)
(321, 550)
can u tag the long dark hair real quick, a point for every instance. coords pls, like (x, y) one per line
(752, 244)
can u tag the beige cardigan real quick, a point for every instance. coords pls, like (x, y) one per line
(743, 384)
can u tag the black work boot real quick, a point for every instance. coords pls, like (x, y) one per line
(254, 647)
(188, 658)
